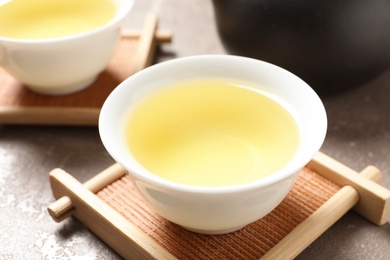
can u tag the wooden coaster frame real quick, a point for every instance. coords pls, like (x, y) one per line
(109, 221)
(135, 51)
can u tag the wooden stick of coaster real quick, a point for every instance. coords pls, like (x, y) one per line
(104, 221)
(374, 203)
(41, 115)
(317, 223)
(146, 46)
(63, 207)
(161, 36)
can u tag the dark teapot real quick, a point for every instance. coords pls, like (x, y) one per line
(332, 44)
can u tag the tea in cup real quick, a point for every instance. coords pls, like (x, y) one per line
(213, 142)
(211, 132)
(59, 47)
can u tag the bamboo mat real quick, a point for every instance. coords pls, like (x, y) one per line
(307, 195)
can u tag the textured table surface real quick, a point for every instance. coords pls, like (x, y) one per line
(358, 135)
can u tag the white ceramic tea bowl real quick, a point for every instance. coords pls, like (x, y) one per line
(66, 64)
(215, 210)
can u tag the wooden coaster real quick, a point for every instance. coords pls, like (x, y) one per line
(109, 205)
(252, 242)
(18, 105)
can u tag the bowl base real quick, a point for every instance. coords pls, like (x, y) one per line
(65, 90)
(214, 232)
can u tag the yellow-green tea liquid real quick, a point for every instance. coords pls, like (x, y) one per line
(210, 132)
(45, 19)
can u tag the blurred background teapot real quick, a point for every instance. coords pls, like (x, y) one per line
(332, 45)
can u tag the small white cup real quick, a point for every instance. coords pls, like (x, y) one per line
(214, 210)
(67, 64)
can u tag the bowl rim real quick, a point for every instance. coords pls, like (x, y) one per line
(289, 170)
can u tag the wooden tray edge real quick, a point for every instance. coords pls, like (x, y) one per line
(49, 116)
